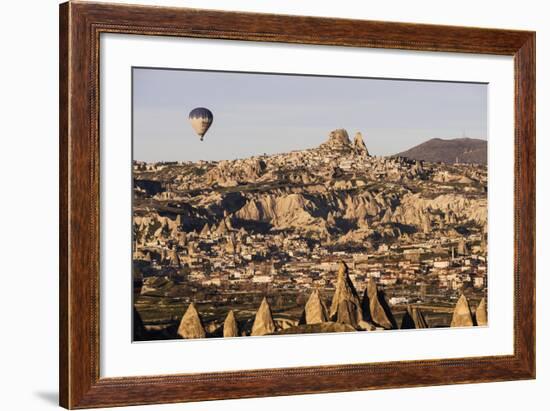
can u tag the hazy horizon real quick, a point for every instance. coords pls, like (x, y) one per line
(275, 113)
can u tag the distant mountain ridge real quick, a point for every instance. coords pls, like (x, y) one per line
(463, 150)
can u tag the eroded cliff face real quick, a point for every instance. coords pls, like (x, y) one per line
(336, 192)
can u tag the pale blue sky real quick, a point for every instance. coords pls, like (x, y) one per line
(273, 113)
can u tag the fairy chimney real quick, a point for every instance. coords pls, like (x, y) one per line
(359, 145)
(173, 258)
(462, 316)
(413, 318)
(191, 324)
(263, 322)
(315, 311)
(481, 313)
(230, 326)
(375, 307)
(349, 312)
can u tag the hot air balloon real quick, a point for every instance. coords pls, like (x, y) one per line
(201, 119)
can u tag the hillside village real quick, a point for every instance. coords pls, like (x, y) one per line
(268, 236)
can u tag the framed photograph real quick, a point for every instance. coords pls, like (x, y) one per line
(260, 205)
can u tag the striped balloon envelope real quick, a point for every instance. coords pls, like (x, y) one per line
(201, 119)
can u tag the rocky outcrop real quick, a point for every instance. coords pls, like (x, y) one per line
(231, 247)
(413, 318)
(234, 173)
(284, 212)
(315, 311)
(298, 209)
(346, 305)
(173, 258)
(263, 322)
(375, 307)
(325, 190)
(415, 209)
(481, 313)
(462, 315)
(359, 145)
(338, 139)
(314, 213)
(358, 206)
(191, 325)
(205, 232)
(230, 326)
(153, 227)
(348, 314)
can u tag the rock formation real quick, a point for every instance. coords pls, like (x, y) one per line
(205, 231)
(315, 311)
(231, 245)
(222, 229)
(286, 212)
(263, 322)
(338, 139)
(226, 175)
(230, 326)
(462, 248)
(173, 258)
(220, 218)
(191, 324)
(462, 315)
(413, 318)
(375, 307)
(346, 305)
(359, 145)
(182, 239)
(481, 313)
(348, 313)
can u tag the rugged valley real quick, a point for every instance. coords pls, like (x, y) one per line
(257, 240)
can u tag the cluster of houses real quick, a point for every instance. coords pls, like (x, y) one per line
(348, 311)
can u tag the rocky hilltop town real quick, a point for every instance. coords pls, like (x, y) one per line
(328, 239)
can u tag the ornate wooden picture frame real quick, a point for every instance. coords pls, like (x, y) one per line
(81, 25)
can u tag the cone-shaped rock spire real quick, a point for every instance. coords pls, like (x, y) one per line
(230, 326)
(315, 311)
(462, 316)
(173, 258)
(191, 324)
(347, 313)
(263, 322)
(346, 305)
(222, 228)
(359, 145)
(481, 313)
(205, 230)
(413, 318)
(376, 308)
(231, 244)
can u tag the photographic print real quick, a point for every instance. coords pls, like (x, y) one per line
(278, 204)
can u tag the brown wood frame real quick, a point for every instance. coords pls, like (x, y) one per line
(80, 27)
